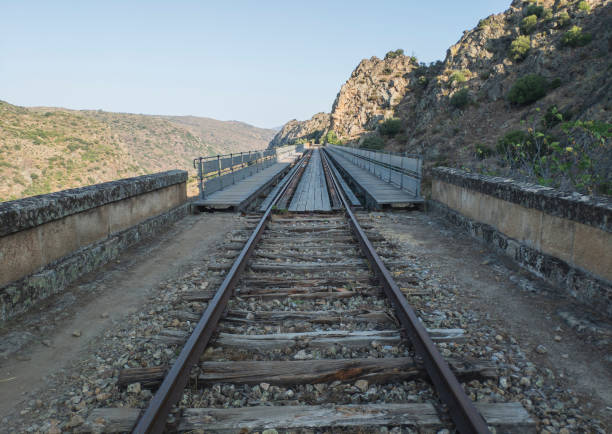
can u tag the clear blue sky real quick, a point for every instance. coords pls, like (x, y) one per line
(261, 62)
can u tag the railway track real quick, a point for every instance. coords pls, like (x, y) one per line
(309, 332)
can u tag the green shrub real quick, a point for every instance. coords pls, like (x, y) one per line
(564, 19)
(461, 98)
(555, 83)
(527, 89)
(507, 144)
(393, 54)
(519, 48)
(458, 76)
(390, 127)
(387, 71)
(485, 22)
(528, 24)
(584, 6)
(423, 80)
(332, 138)
(483, 151)
(552, 117)
(373, 142)
(536, 10)
(575, 38)
(485, 74)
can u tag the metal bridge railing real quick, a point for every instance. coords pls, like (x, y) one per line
(219, 171)
(402, 170)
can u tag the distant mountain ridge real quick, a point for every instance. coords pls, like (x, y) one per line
(45, 149)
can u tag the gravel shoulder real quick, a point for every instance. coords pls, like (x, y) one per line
(569, 345)
(550, 354)
(59, 332)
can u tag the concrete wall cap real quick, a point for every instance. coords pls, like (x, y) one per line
(18, 215)
(594, 211)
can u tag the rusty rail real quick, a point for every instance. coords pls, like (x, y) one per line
(153, 420)
(463, 413)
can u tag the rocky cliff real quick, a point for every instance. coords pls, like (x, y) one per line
(450, 108)
(309, 130)
(490, 59)
(371, 94)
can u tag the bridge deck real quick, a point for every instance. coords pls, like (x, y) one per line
(378, 192)
(238, 195)
(311, 193)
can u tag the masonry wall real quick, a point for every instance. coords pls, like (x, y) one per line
(48, 241)
(565, 238)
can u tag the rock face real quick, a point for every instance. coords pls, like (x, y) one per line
(370, 95)
(294, 130)
(483, 67)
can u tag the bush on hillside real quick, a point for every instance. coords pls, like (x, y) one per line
(393, 54)
(584, 6)
(527, 89)
(332, 138)
(483, 151)
(507, 144)
(373, 142)
(564, 19)
(458, 76)
(519, 48)
(485, 22)
(552, 117)
(390, 127)
(575, 38)
(534, 9)
(461, 98)
(528, 24)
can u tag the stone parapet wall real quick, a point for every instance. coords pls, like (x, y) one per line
(48, 241)
(563, 237)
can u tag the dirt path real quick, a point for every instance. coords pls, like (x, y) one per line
(43, 342)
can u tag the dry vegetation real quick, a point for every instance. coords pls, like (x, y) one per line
(48, 149)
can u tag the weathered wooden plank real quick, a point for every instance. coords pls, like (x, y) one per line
(302, 295)
(506, 418)
(316, 317)
(307, 266)
(264, 280)
(318, 339)
(375, 371)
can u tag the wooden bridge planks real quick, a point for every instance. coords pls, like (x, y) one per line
(311, 193)
(239, 193)
(509, 417)
(381, 191)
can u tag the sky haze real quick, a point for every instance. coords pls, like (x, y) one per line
(259, 62)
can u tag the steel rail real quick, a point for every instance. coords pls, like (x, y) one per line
(153, 420)
(464, 414)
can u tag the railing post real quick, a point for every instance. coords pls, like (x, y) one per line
(219, 164)
(389, 168)
(402, 172)
(200, 179)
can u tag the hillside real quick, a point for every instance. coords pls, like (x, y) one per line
(48, 149)
(456, 111)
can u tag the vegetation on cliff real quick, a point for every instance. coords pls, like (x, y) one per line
(510, 68)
